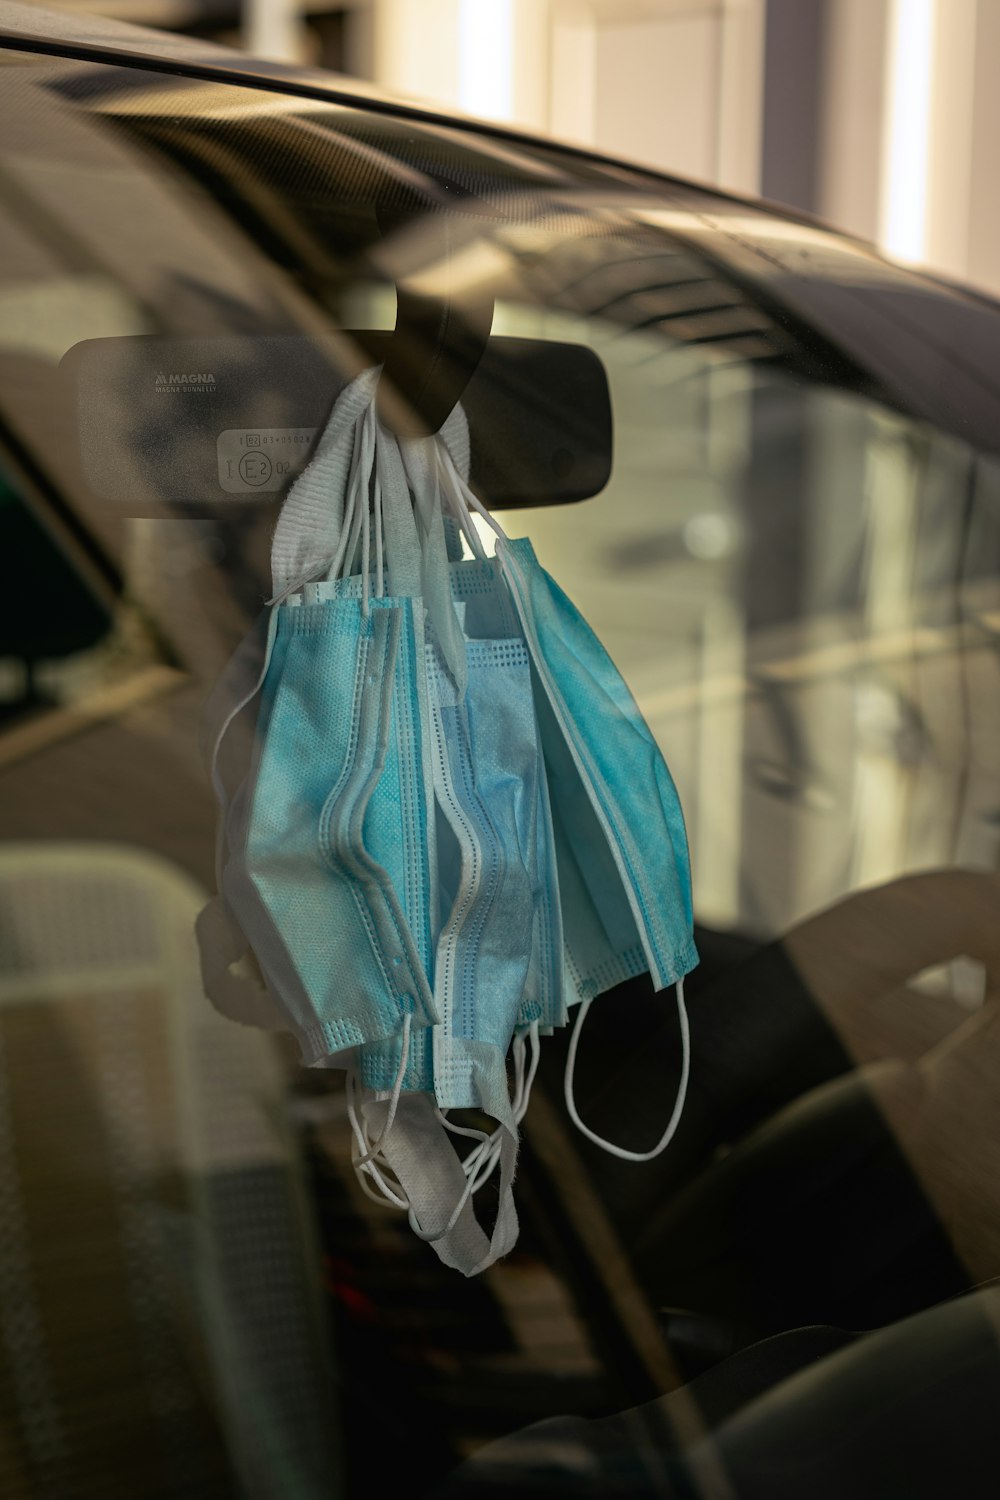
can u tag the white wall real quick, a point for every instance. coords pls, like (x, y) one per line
(851, 129)
(905, 139)
(671, 83)
(911, 116)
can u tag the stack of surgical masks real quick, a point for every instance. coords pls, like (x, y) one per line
(454, 826)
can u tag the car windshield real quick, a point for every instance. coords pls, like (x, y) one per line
(790, 549)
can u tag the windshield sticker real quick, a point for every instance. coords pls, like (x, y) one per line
(260, 459)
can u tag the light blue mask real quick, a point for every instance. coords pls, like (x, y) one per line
(495, 853)
(614, 800)
(624, 873)
(498, 958)
(331, 866)
(456, 824)
(375, 747)
(343, 869)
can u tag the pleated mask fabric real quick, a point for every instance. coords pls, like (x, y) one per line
(454, 825)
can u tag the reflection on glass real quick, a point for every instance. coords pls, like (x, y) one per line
(799, 582)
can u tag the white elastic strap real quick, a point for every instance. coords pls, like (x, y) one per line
(237, 709)
(523, 1083)
(313, 526)
(375, 1148)
(521, 1102)
(362, 455)
(482, 1160)
(678, 1109)
(372, 1163)
(357, 502)
(387, 1193)
(369, 497)
(446, 479)
(465, 501)
(477, 1166)
(379, 558)
(366, 527)
(482, 1136)
(423, 475)
(223, 730)
(365, 1165)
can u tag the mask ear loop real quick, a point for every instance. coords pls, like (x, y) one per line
(379, 557)
(358, 483)
(365, 555)
(371, 499)
(383, 1135)
(454, 490)
(224, 728)
(389, 1196)
(350, 552)
(465, 503)
(367, 1162)
(478, 1166)
(486, 1154)
(386, 1193)
(535, 1044)
(524, 1082)
(423, 477)
(237, 709)
(678, 1109)
(481, 1161)
(359, 478)
(482, 1136)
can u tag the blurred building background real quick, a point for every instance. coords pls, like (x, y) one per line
(877, 115)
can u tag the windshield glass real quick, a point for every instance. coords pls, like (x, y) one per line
(794, 561)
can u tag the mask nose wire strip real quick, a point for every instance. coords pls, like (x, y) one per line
(678, 1109)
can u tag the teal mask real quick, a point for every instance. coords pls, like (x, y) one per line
(455, 824)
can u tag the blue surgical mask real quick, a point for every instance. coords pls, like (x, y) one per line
(335, 856)
(456, 824)
(621, 847)
(489, 792)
